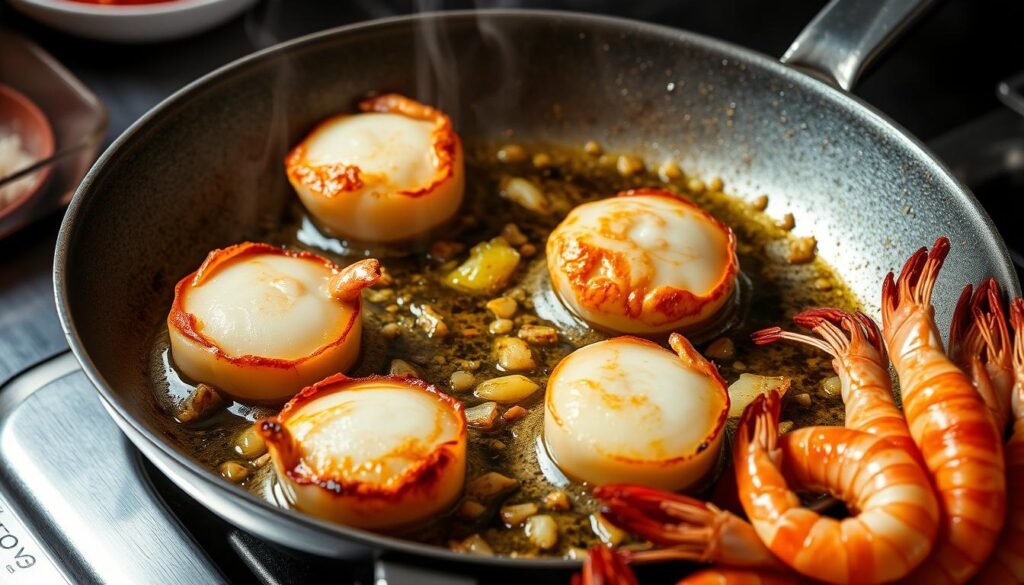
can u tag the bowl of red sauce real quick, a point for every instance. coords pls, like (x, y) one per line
(132, 21)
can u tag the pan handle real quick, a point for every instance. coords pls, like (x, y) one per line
(847, 35)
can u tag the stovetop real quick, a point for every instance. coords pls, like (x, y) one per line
(79, 504)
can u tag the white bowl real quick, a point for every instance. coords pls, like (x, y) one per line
(132, 23)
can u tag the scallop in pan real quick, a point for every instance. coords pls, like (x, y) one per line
(388, 174)
(626, 410)
(382, 452)
(645, 262)
(260, 322)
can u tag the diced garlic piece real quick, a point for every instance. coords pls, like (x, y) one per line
(474, 545)
(749, 386)
(490, 486)
(507, 389)
(514, 355)
(487, 270)
(526, 194)
(542, 530)
(516, 514)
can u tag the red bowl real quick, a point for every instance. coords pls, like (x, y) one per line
(20, 115)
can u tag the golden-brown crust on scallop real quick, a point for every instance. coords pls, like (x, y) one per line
(332, 180)
(421, 475)
(186, 323)
(693, 359)
(579, 260)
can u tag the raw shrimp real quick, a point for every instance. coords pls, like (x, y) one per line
(895, 512)
(950, 423)
(1006, 565)
(859, 359)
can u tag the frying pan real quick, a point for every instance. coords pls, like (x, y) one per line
(203, 169)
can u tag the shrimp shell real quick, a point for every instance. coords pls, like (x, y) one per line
(897, 514)
(1006, 565)
(949, 422)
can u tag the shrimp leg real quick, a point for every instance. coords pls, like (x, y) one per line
(949, 422)
(858, 357)
(688, 529)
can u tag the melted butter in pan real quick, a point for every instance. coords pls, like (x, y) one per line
(772, 290)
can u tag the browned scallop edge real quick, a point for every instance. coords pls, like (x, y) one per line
(186, 323)
(674, 303)
(332, 180)
(419, 476)
(702, 363)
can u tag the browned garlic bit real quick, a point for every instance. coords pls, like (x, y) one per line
(592, 148)
(514, 355)
(801, 250)
(403, 368)
(670, 171)
(722, 348)
(513, 414)
(513, 235)
(538, 334)
(430, 321)
(490, 486)
(760, 203)
(203, 400)
(470, 510)
(482, 416)
(557, 500)
(542, 160)
(787, 223)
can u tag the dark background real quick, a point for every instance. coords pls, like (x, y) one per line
(941, 75)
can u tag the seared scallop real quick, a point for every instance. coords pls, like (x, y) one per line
(260, 322)
(627, 410)
(391, 173)
(381, 453)
(645, 262)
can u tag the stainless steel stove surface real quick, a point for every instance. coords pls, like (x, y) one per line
(79, 504)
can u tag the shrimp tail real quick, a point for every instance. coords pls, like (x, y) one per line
(759, 424)
(688, 528)
(960, 323)
(916, 280)
(605, 567)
